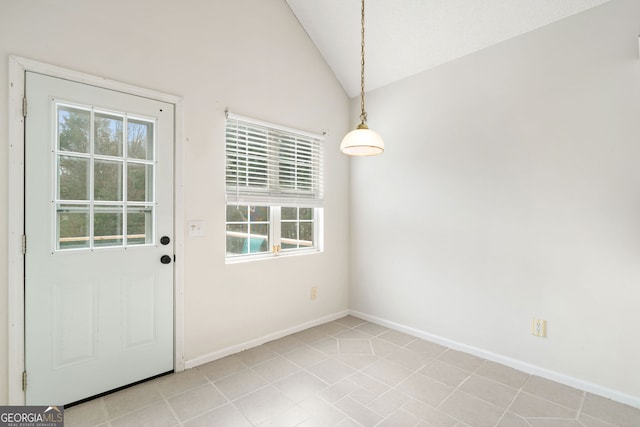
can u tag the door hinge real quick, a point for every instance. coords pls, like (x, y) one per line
(24, 106)
(24, 380)
(24, 244)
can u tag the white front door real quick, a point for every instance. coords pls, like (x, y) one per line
(99, 239)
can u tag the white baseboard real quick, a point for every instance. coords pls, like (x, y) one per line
(507, 361)
(210, 357)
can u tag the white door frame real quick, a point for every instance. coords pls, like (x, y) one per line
(16, 342)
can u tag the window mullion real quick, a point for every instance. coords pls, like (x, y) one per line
(125, 180)
(274, 226)
(92, 140)
(298, 227)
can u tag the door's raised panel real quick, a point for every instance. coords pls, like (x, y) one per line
(140, 311)
(75, 313)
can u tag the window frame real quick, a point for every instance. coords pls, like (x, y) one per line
(275, 238)
(277, 193)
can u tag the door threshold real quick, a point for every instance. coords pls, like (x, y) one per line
(115, 390)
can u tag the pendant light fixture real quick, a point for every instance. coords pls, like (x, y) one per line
(362, 141)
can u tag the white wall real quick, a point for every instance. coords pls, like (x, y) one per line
(510, 189)
(249, 55)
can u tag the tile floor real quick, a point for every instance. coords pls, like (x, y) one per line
(351, 373)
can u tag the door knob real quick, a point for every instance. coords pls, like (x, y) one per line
(165, 259)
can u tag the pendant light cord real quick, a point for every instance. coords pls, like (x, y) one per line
(363, 114)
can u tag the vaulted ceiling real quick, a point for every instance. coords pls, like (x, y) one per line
(405, 37)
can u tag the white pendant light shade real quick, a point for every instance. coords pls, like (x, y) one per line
(362, 142)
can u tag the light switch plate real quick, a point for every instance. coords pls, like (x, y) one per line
(196, 228)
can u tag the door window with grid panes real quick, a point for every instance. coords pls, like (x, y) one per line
(104, 189)
(273, 189)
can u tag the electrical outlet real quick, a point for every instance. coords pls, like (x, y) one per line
(539, 327)
(314, 293)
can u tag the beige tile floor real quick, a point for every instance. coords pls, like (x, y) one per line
(351, 373)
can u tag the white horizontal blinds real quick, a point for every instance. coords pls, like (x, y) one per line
(271, 165)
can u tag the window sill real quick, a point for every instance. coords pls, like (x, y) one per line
(267, 256)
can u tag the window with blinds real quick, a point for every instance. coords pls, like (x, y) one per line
(274, 189)
(272, 165)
